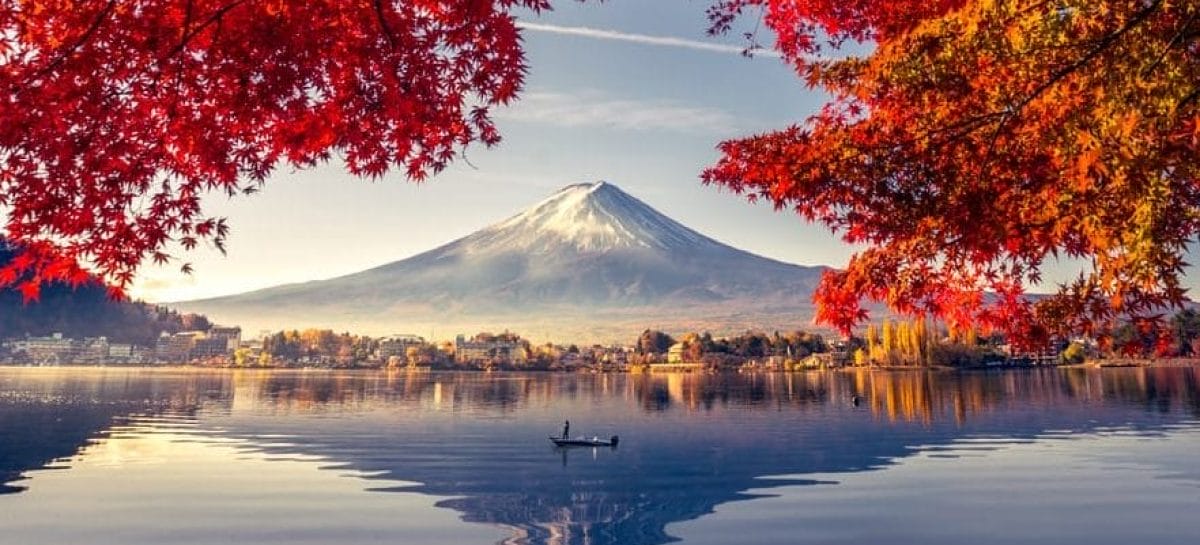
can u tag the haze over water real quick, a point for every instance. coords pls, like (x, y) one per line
(197, 457)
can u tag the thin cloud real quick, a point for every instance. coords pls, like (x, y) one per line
(664, 41)
(154, 287)
(593, 110)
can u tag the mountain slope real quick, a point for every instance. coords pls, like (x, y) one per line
(589, 261)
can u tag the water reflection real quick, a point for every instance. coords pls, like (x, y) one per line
(914, 396)
(565, 452)
(689, 443)
(164, 480)
(50, 414)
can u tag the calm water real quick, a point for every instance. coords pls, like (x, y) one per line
(131, 457)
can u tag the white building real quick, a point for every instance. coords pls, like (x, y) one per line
(500, 350)
(397, 345)
(231, 335)
(54, 349)
(92, 350)
(675, 353)
(120, 350)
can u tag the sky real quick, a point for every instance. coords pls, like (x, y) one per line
(627, 91)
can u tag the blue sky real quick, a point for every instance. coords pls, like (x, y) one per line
(603, 100)
(642, 115)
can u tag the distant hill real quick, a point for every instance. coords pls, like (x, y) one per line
(86, 311)
(590, 262)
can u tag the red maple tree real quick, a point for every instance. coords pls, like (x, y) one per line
(118, 116)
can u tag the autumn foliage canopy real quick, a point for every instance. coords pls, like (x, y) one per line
(979, 139)
(963, 145)
(118, 116)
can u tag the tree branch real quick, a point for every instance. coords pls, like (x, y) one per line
(1101, 46)
(187, 26)
(1175, 40)
(74, 47)
(383, 24)
(1190, 97)
(209, 21)
(1104, 44)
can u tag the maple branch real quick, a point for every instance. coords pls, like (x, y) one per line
(467, 160)
(1102, 45)
(209, 21)
(1175, 41)
(67, 53)
(1190, 97)
(189, 33)
(187, 26)
(965, 127)
(1006, 115)
(383, 24)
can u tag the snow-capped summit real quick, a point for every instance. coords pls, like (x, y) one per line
(589, 217)
(581, 261)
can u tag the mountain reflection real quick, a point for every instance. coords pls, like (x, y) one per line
(689, 442)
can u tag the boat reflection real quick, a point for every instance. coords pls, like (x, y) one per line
(564, 451)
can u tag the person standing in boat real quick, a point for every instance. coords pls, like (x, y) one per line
(566, 429)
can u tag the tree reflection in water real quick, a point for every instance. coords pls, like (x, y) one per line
(689, 442)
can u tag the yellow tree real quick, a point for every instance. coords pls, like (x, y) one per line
(922, 341)
(904, 342)
(873, 351)
(860, 357)
(889, 342)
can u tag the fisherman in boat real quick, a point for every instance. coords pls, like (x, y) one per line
(566, 429)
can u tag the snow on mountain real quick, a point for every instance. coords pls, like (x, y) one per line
(590, 217)
(589, 260)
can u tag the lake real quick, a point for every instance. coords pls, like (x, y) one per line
(188, 456)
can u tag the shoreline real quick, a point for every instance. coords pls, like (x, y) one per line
(1138, 362)
(1148, 363)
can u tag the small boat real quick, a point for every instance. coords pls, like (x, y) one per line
(585, 442)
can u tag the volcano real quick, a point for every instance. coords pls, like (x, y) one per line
(588, 263)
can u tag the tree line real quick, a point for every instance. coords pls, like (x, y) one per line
(86, 310)
(652, 346)
(311, 345)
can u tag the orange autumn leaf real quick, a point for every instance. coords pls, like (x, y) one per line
(1011, 132)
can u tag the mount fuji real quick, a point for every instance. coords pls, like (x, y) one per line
(588, 263)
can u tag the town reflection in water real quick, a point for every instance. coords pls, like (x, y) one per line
(895, 395)
(689, 442)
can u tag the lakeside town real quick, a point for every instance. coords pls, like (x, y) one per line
(892, 343)
(225, 347)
